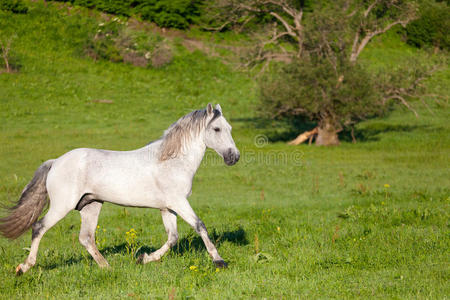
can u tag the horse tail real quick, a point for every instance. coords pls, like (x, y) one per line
(30, 205)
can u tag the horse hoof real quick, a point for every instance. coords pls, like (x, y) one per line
(19, 270)
(221, 264)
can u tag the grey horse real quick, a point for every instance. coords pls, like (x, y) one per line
(158, 175)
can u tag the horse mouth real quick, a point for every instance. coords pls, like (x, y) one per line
(231, 157)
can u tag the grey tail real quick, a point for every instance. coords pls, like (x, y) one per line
(32, 201)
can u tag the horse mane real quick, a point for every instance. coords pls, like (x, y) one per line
(182, 131)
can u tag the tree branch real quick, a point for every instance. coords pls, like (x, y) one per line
(369, 36)
(371, 6)
(285, 24)
(404, 102)
(304, 136)
(407, 15)
(283, 5)
(6, 46)
(220, 28)
(249, 8)
(245, 23)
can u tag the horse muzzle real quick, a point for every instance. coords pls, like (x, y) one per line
(231, 156)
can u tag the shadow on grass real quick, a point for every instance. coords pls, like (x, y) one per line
(66, 262)
(371, 132)
(287, 130)
(192, 242)
(122, 249)
(278, 130)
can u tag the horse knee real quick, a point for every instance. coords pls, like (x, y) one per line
(36, 229)
(173, 239)
(200, 227)
(85, 240)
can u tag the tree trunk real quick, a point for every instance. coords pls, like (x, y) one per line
(327, 134)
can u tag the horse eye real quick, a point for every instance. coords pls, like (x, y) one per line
(217, 129)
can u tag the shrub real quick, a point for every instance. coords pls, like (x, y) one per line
(165, 13)
(161, 56)
(15, 6)
(314, 90)
(8, 61)
(117, 7)
(431, 29)
(113, 41)
(103, 44)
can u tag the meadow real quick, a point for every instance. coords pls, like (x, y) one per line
(365, 220)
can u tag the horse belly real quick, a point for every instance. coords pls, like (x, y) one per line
(127, 191)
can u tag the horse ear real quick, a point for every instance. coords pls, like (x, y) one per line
(218, 107)
(209, 109)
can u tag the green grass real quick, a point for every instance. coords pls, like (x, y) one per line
(292, 222)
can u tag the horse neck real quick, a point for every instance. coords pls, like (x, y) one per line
(193, 153)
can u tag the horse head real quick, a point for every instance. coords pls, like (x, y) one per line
(218, 135)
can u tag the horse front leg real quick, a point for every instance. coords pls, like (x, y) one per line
(170, 223)
(185, 211)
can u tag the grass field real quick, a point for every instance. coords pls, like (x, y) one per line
(354, 221)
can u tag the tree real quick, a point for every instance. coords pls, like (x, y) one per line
(324, 81)
(333, 95)
(282, 19)
(372, 18)
(5, 47)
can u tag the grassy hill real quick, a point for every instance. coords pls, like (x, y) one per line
(363, 220)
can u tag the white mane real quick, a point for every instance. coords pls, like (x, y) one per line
(182, 131)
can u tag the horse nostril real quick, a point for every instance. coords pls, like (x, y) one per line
(231, 156)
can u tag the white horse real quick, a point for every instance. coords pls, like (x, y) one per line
(158, 175)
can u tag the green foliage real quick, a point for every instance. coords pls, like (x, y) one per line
(431, 29)
(170, 13)
(103, 45)
(315, 90)
(229, 15)
(165, 13)
(115, 42)
(15, 6)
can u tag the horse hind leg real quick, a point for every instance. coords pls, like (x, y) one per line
(39, 228)
(89, 218)
(170, 223)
